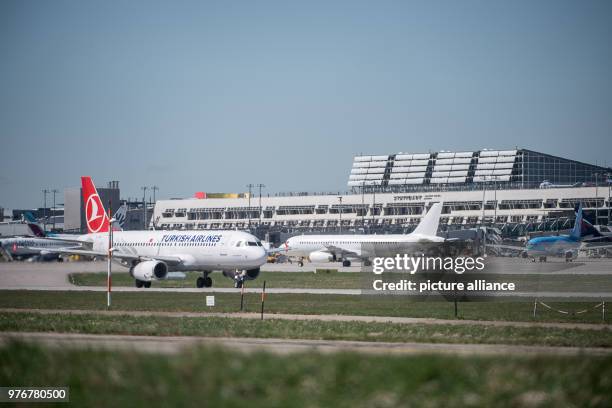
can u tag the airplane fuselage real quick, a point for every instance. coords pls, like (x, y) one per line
(552, 246)
(304, 245)
(198, 250)
(23, 246)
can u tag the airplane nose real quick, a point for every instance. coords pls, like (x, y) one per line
(260, 256)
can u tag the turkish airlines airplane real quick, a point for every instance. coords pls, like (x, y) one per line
(330, 248)
(154, 255)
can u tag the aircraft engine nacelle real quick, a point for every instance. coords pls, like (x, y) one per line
(149, 270)
(320, 256)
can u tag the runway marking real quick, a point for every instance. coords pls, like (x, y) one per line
(175, 344)
(327, 318)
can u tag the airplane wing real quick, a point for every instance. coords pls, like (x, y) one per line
(594, 245)
(344, 253)
(64, 239)
(509, 247)
(172, 260)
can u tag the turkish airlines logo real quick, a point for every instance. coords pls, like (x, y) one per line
(94, 213)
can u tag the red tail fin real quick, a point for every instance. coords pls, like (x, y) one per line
(95, 215)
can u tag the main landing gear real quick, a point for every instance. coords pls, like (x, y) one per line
(142, 284)
(204, 281)
(346, 263)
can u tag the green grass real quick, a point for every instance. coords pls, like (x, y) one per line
(332, 279)
(298, 304)
(323, 279)
(301, 329)
(217, 377)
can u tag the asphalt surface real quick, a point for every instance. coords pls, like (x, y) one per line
(54, 276)
(175, 344)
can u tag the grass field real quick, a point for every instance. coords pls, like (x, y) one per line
(301, 329)
(324, 279)
(217, 377)
(332, 279)
(298, 304)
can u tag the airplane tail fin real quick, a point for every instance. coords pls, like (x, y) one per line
(577, 230)
(32, 224)
(429, 223)
(95, 215)
(587, 229)
(120, 217)
(36, 230)
(29, 217)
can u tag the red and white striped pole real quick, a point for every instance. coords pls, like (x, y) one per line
(109, 257)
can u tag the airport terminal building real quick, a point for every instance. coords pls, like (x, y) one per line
(517, 191)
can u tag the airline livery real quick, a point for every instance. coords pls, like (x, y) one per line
(154, 255)
(330, 248)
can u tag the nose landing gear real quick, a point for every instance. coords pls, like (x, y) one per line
(204, 281)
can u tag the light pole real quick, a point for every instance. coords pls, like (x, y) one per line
(596, 199)
(260, 211)
(45, 192)
(340, 212)
(608, 182)
(250, 186)
(482, 224)
(373, 206)
(144, 206)
(363, 207)
(154, 189)
(54, 191)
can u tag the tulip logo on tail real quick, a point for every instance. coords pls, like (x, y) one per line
(96, 218)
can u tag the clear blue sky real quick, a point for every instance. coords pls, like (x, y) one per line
(214, 95)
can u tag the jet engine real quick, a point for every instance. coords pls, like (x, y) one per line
(321, 256)
(148, 270)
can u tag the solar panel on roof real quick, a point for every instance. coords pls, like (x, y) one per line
(414, 181)
(445, 155)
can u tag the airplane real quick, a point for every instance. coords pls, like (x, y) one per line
(566, 246)
(156, 255)
(37, 246)
(548, 184)
(20, 247)
(329, 248)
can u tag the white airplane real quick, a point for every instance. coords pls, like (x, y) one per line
(329, 248)
(37, 247)
(154, 255)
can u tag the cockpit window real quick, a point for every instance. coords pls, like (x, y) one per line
(239, 243)
(252, 243)
(259, 243)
